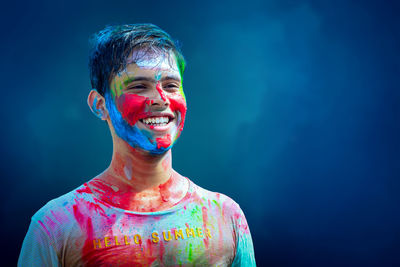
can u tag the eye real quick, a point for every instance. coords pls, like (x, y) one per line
(171, 87)
(136, 87)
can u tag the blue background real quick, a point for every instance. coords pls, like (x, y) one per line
(293, 112)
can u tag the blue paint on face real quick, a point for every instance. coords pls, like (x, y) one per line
(135, 137)
(158, 76)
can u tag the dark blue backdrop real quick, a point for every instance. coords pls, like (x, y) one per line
(293, 112)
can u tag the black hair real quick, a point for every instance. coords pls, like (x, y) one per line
(112, 46)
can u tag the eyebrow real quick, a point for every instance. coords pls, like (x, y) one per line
(147, 79)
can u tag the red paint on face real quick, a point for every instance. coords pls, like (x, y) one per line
(149, 102)
(164, 141)
(131, 107)
(178, 103)
(160, 91)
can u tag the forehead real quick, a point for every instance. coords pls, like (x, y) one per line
(153, 60)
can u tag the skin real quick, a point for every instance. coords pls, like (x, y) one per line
(140, 176)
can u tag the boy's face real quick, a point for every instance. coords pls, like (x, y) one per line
(147, 105)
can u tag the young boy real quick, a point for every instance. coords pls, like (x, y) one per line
(139, 211)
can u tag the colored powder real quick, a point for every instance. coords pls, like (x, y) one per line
(178, 103)
(205, 222)
(131, 134)
(131, 107)
(164, 142)
(158, 75)
(118, 88)
(85, 189)
(190, 257)
(181, 91)
(95, 110)
(160, 91)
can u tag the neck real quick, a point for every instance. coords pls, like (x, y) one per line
(137, 169)
(138, 181)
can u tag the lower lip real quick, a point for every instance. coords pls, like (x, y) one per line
(158, 128)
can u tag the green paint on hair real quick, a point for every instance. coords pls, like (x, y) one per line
(181, 91)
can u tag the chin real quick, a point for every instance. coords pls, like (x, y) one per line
(148, 147)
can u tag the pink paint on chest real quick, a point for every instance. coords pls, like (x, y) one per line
(126, 199)
(84, 212)
(131, 107)
(85, 223)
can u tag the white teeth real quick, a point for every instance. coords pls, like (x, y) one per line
(156, 120)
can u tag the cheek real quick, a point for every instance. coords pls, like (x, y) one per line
(178, 103)
(131, 106)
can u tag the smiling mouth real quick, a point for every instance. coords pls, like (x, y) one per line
(156, 121)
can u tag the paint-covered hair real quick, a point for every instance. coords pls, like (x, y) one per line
(112, 46)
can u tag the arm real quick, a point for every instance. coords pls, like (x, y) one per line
(38, 248)
(244, 245)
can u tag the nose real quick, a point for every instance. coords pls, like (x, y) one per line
(159, 99)
(158, 103)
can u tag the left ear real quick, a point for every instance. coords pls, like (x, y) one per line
(97, 104)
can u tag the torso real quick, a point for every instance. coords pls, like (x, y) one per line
(199, 230)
